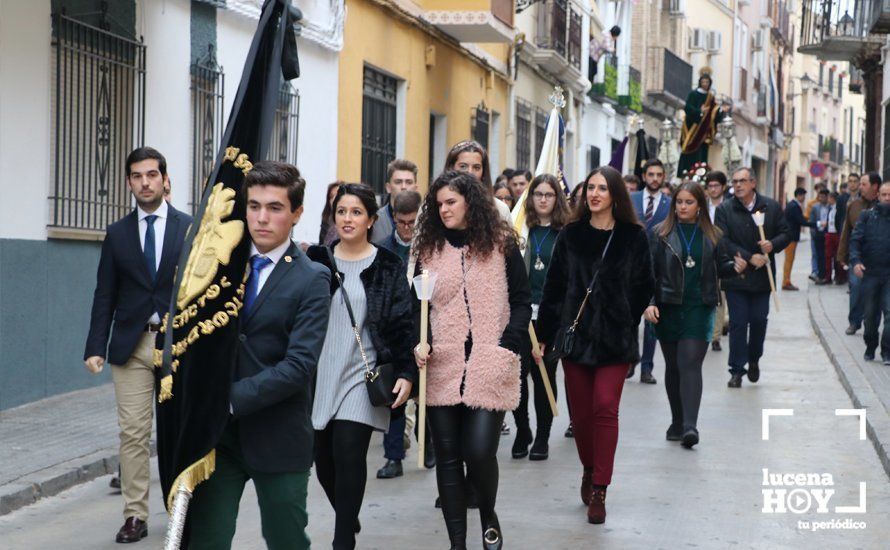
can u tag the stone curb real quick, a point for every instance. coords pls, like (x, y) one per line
(51, 481)
(863, 396)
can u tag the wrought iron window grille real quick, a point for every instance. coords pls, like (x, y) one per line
(98, 118)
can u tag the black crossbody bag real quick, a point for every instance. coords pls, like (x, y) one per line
(564, 341)
(380, 380)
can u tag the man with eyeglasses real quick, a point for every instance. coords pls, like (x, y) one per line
(715, 187)
(134, 284)
(405, 207)
(401, 175)
(747, 297)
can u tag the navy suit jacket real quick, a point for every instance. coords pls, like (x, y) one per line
(795, 219)
(660, 212)
(279, 343)
(125, 294)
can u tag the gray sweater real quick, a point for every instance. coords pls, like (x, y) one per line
(340, 392)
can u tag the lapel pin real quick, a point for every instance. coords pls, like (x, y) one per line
(288, 259)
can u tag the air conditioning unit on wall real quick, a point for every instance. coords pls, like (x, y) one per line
(757, 40)
(697, 39)
(714, 41)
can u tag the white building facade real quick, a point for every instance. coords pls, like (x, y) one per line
(80, 86)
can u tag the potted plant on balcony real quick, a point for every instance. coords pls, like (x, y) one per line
(826, 150)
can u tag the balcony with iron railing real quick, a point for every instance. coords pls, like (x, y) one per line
(558, 40)
(829, 31)
(608, 88)
(634, 98)
(668, 77)
(472, 20)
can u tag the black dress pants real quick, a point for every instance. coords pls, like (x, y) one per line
(462, 435)
(341, 452)
(543, 413)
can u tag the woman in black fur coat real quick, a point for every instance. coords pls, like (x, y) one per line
(607, 246)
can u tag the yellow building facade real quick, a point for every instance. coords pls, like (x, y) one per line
(410, 89)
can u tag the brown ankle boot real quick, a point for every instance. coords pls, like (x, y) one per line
(586, 485)
(596, 511)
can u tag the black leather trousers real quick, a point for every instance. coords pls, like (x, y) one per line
(466, 436)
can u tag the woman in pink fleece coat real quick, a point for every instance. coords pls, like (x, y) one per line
(479, 315)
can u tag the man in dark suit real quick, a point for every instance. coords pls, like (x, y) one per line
(795, 219)
(133, 288)
(652, 207)
(269, 436)
(747, 297)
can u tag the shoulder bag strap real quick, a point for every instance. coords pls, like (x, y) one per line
(592, 281)
(369, 373)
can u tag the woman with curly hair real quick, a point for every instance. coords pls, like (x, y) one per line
(479, 315)
(599, 282)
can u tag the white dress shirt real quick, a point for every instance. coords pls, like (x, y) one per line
(712, 209)
(654, 197)
(160, 226)
(275, 255)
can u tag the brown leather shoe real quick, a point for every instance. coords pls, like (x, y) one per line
(596, 511)
(790, 287)
(134, 530)
(586, 485)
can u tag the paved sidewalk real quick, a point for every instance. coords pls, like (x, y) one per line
(866, 382)
(55, 443)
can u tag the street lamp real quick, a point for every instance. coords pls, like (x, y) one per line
(669, 150)
(732, 155)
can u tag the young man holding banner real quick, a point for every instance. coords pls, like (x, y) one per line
(269, 435)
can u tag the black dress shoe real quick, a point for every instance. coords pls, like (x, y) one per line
(674, 432)
(630, 372)
(647, 378)
(753, 371)
(886, 360)
(115, 482)
(735, 381)
(523, 440)
(392, 468)
(851, 330)
(570, 431)
(690, 438)
(715, 346)
(133, 530)
(540, 449)
(869, 355)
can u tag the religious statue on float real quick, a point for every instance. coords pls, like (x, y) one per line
(703, 113)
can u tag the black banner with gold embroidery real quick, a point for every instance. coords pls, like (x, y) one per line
(199, 338)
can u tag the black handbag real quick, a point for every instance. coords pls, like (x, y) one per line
(564, 340)
(381, 379)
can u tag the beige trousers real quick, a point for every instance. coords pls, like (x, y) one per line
(134, 385)
(719, 319)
